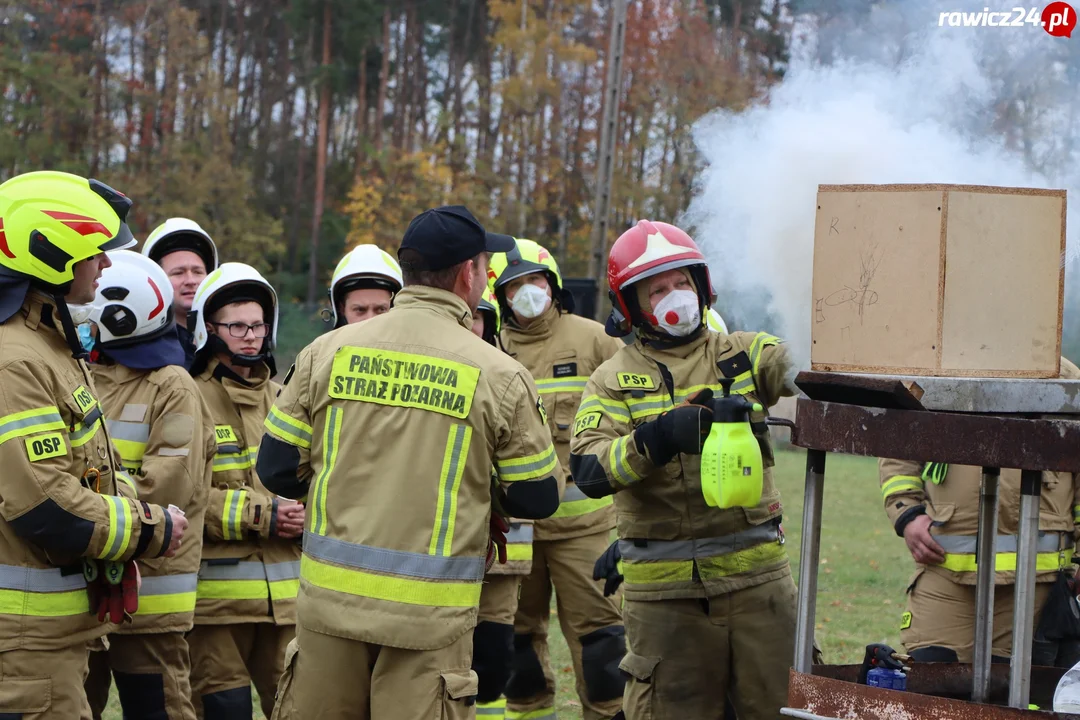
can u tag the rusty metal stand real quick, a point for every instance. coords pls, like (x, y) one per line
(990, 441)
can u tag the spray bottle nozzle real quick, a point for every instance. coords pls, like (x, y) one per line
(726, 383)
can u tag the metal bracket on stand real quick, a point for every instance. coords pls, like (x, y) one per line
(1003, 441)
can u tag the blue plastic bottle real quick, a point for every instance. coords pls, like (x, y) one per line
(886, 679)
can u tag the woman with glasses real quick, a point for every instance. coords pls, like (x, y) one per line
(245, 610)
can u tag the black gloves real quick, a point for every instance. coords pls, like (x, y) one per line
(682, 429)
(607, 569)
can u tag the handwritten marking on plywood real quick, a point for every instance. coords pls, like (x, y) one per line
(876, 285)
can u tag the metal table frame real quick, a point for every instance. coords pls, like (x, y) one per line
(990, 441)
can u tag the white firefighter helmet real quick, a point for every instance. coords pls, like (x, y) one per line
(715, 322)
(233, 282)
(363, 266)
(133, 311)
(181, 234)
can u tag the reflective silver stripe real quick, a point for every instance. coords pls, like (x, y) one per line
(41, 580)
(519, 533)
(701, 547)
(132, 432)
(965, 544)
(525, 469)
(459, 445)
(395, 562)
(287, 428)
(169, 584)
(173, 452)
(82, 433)
(283, 570)
(33, 421)
(118, 545)
(240, 571)
(568, 384)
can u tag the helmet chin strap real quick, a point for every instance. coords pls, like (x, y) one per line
(217, 345)
(70, 333)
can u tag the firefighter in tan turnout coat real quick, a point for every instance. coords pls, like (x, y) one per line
(162, 429)
(935, 508)
(560, 350)
(710, 601)
(395, 550)
(246, 599)
(69, 523)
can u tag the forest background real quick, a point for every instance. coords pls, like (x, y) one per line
(295, 129)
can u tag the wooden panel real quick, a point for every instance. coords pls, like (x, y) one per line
(876, 282)
(1003, 283)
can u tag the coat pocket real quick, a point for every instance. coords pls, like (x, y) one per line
(284, 705)
(458, 694)
(639, 698)
(19, 696)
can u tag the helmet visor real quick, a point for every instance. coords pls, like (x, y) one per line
(122, 240)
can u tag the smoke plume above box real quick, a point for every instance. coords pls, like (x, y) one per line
(875, 95)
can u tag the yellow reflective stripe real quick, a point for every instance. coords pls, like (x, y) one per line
(408, 591)
(530, 467)
(761, 341)
(619, 464)
(741, 561)
(576, 508)
(232, 514)
(116, 543)
(649, 573)
(284, 589)
(1003, 562)
(901, 483)
(495, 710)
(709, 568)
(575, 384)
(131, 452)
(242, 460)
(125, 478)
(453, 467)
(82, 434)
(331, 439)
(541, 714)
(288, 429)
(519, 552)
(57, 604)
(233, 590)
(614, 409)
(1076, 513)
(29, 422)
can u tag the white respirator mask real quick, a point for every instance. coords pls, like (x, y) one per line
(679, 313)
(530, 301)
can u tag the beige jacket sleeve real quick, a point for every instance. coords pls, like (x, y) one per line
(604, 458)
(43, 501)
(901, 487)
(174, 466)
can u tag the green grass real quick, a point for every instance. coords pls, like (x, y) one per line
(863, 572)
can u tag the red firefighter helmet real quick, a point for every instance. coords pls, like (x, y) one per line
(647, 249)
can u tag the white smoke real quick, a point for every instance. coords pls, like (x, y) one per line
(902, 101)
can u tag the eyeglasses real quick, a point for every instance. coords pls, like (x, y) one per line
(239, 329)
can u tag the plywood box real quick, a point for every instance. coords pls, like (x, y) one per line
(959, 280)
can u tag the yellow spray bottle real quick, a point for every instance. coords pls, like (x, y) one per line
(731, 469)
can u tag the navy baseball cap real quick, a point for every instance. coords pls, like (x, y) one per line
(448, 235)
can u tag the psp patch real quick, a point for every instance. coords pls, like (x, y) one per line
(586, 422)
(540, 409)
(634, 381)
